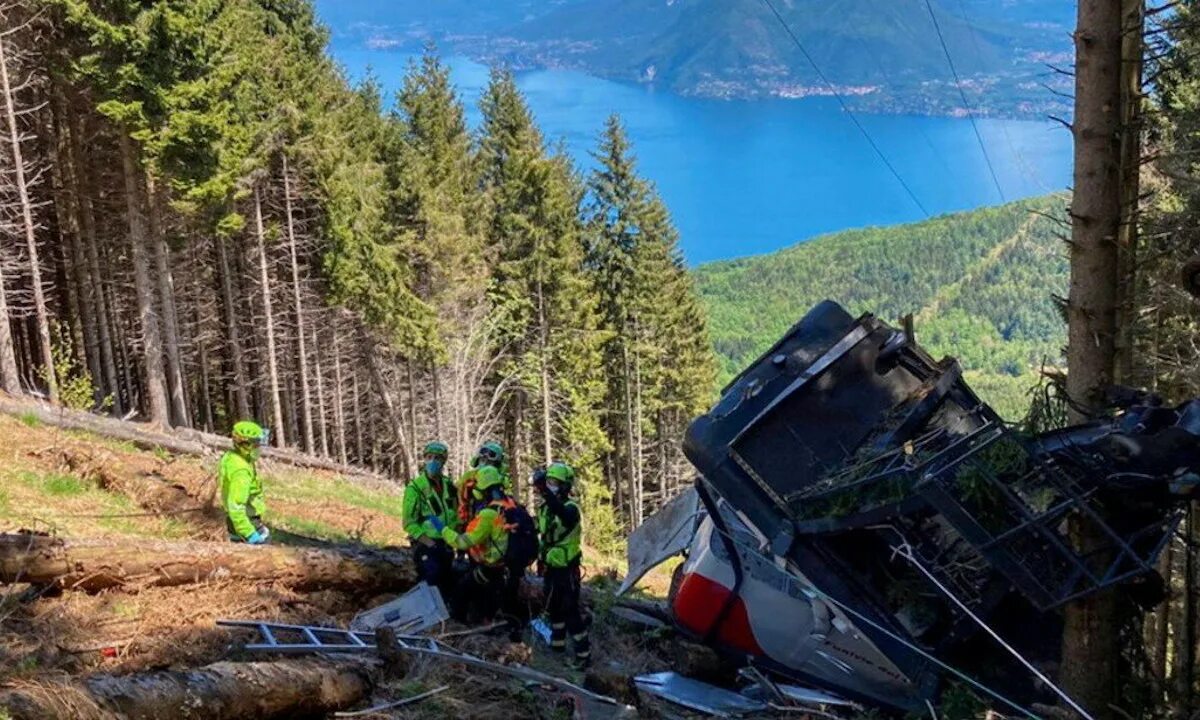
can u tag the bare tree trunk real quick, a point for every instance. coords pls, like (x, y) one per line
(358, 421)
(408, 462)
(280, 433)
(544, 374)
(87, 288)
(631, 461)
(320, 394)
(305, 393)
(412, 400)
(1184, 626)
(10, 379)
(28, 226)
(1090, 634)
(1132, 50)
(170, 317)
(339, 403)
(152, 348)
(232, 333)
(87, 222)
(638, 451)
(435, 380)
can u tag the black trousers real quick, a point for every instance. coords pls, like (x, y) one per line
(485, 590)
(435, 565)
(563, 587)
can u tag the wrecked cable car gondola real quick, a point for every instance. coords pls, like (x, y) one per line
(863, 521)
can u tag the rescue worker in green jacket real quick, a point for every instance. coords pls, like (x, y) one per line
(431, 495)
(560, 531)
(241, 488)
(488, 586)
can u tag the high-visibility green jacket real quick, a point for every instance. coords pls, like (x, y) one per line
(560, 533)
(485, 538)
(422, 500)
(241, 494)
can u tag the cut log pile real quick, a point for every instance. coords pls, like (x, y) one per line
(221, 691)
(95, 565)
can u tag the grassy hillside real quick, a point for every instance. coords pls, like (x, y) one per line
(981, 285)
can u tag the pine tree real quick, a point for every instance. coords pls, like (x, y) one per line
(550, 326)
(657, 359)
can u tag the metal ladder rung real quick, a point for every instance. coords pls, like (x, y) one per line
(267, 634)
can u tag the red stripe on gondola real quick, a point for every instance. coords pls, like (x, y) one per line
(697, 603)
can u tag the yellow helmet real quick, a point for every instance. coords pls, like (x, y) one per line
(487, 477)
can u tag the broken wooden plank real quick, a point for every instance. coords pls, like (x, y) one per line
(95, 565)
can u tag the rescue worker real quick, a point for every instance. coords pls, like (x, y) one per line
(431, 494)
(488, 586)
(241, 488)
(490, 454)
(560, 531)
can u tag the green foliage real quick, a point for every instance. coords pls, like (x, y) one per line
(30, 420)
(981, 286)
(60, 485)
(76, 389)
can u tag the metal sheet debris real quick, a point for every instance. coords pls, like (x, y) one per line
(697, 695)
(664, 535)
(412, 613)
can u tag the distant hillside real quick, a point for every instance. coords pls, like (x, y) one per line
(884, 55)
(981, 285)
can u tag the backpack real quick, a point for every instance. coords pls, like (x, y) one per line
(522, 535)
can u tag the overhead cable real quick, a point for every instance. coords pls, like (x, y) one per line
(966, 105)
(846, 108)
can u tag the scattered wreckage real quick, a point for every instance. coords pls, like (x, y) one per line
(864, 523)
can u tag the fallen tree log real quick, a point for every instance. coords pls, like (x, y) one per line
(149, 490)
(180, 441)
(222, 691)
(95, 565)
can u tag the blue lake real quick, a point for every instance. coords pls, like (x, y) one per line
(748, 177)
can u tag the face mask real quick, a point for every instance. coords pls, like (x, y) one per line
(433, 467)
(552, 487)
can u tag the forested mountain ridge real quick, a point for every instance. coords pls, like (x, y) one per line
(203, 221)
(886, 56)
(981, 286)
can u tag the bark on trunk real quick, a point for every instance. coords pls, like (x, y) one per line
(241, 395)
(1090, 635)
(152, 345)
(339, 403)
(29, 229)
(85, 289)
(96, 565)
(170, 317)
(280, 435)
(305, 391)
(319, 372)
(222, 691)
(10, 378)
(87, 221)
(1132, 50)
(389, 403)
